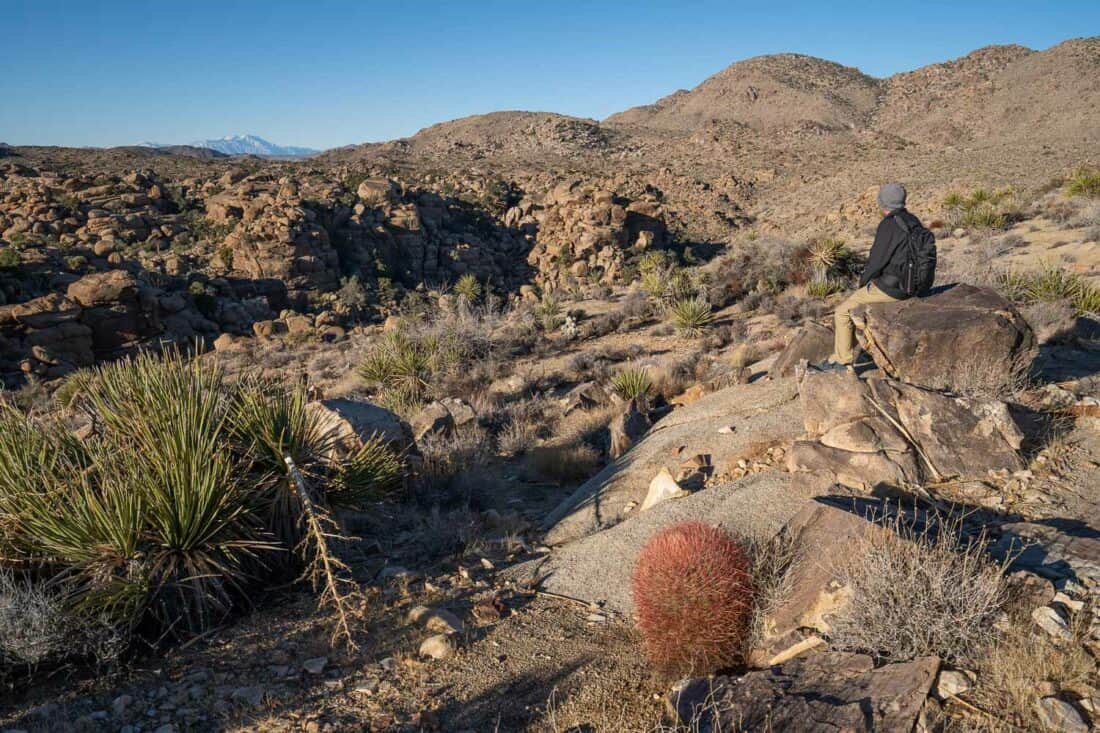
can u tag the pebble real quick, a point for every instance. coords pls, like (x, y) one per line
(1059, 715)
(952, 683)
(120, 704)
(439, 620)
(252, 695)
(437, 647)
(1050, 621)
(315, 665)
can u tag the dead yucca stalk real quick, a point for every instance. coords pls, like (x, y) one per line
(327, 574)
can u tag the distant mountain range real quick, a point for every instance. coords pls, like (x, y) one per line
(245, 145)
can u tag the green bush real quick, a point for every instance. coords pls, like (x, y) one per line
(1050, 283)
(9, 258)
(1084, 182)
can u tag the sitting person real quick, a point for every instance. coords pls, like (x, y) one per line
(901, 265)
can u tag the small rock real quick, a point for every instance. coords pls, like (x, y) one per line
(1069, 603)
(316, 665)
(596, 618)
(1059, 715)
(952, 683)
(121, 703)
(439, 620)
(437, 647)
(251, 696)
(1050, 621)
(662, 487)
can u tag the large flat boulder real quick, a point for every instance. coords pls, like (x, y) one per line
(725, 425)
(597, 568)
(863, 433)
(821, 693)
(958, 337)
(351, 422)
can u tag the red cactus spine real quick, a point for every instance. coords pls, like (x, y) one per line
(693, 597)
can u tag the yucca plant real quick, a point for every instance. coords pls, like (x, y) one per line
(371, 473)
(631, 382)
(468, 287)
(268, 423)
(824, 254)
(691, 315)
(401, 363)
(1084, 182)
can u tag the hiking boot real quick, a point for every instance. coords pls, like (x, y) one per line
(830, 366)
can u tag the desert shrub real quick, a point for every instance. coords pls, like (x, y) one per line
(1084, 182)
(1021, 666)
(691, 315)
(920, 591)
(446, 457)
(548, 313)
(565, 463)
(631, 382)
(351, 298)
(36, 628)
(694, 598)
(9, 258)
(468, 287)
(824, 288)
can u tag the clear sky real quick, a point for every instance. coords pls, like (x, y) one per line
(330, 72)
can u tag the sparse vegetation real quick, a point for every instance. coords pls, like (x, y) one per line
(9, 258)
(920, 591)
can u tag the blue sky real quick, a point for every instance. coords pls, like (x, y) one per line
(330, 72)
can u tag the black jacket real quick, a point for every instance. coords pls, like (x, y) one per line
(887, 239)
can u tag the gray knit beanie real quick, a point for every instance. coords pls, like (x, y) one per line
(892, 196)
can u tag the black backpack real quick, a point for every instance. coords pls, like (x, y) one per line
(913, 262)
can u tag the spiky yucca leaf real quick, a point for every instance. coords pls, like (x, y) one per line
(268, 423)
(691, 315)
(371, 473)
(468, 287)
(1084, 182)
(631, 382)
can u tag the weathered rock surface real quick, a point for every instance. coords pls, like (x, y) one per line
(825, 536)
(958, 336)
(822, 693)
(879, 431)
(353, 422)
(597, 568)
(813, 342)
(759, 413)
(628, 427)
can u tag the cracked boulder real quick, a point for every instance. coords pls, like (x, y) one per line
(834, 691)
(881, 431)
(961, 337)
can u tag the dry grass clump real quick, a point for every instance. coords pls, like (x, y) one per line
(36, 629)
(693, 593)
(565, 463)
(918, 592)
(182, 500)
(1024, 665)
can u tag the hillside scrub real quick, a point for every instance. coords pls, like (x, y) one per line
(180, 501)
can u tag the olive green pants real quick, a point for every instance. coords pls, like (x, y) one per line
(845, 339)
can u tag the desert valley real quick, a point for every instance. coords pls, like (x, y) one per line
(514, 424)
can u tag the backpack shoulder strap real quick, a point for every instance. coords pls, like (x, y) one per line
(901, 223)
